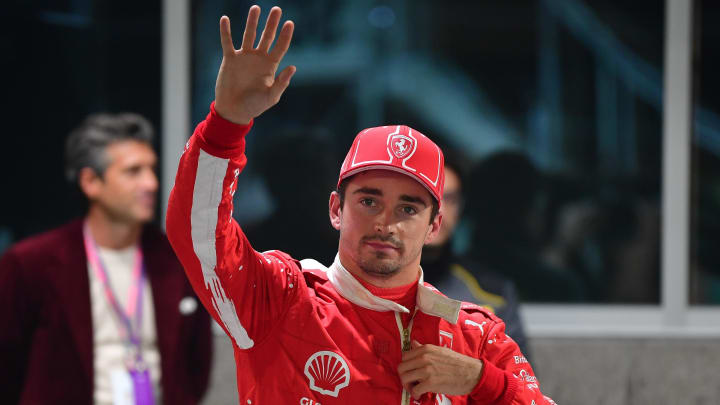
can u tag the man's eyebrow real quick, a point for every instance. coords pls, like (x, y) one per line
(404, 197)
(413, 199)
(368, 190)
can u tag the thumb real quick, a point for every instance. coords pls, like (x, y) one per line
(415, 344)
(282, 81)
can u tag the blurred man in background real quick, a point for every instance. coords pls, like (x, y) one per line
(460, 277)
(99, 310)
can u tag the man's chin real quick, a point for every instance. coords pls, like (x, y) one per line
(143, 217)
(380, 268)
(146, 211)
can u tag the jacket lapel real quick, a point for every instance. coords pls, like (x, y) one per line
(74, 293)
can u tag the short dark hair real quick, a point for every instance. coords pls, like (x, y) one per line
(86, 146)
(343, 186)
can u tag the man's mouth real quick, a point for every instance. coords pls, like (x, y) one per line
(147, 199)
(380, 244)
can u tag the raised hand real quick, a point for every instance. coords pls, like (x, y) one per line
(430, 368)
(246, 84)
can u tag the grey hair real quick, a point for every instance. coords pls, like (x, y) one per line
(86, 146)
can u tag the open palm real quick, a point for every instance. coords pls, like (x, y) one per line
(246, 85)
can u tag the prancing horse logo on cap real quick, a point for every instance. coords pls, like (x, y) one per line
(401, 145)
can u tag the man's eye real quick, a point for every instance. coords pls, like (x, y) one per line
(409, 210)
(368, 202)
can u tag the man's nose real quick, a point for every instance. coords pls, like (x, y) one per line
(149, 180)
(384, 222)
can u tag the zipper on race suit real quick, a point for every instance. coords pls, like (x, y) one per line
(405, 346)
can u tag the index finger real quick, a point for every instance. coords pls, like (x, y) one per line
(408, 365)
(409, 355)
(415, 352)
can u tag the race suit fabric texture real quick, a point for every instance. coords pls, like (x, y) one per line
(306, 334)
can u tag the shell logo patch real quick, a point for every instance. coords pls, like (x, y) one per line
(327, 373)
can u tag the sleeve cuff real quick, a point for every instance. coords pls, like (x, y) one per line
(223, 138)
(494, 385)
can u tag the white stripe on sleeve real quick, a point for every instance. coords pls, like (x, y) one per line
(203, 221)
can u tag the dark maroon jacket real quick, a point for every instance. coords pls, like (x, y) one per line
(46, 342)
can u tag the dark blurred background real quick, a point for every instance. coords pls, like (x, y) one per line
(557, 105)
(65, 59)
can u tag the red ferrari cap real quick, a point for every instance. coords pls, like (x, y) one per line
(398, 148)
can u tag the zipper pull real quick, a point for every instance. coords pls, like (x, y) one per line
(406, 340)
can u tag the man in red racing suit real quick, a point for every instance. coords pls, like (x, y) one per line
(365, 330)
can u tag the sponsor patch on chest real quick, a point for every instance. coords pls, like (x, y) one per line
(327, 373)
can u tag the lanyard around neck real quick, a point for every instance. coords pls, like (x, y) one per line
(128, 331)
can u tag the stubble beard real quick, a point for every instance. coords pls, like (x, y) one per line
(378, 267)
(380, 264)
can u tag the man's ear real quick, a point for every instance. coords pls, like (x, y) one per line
(434, 228)
(335, 210)
(90, 183)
